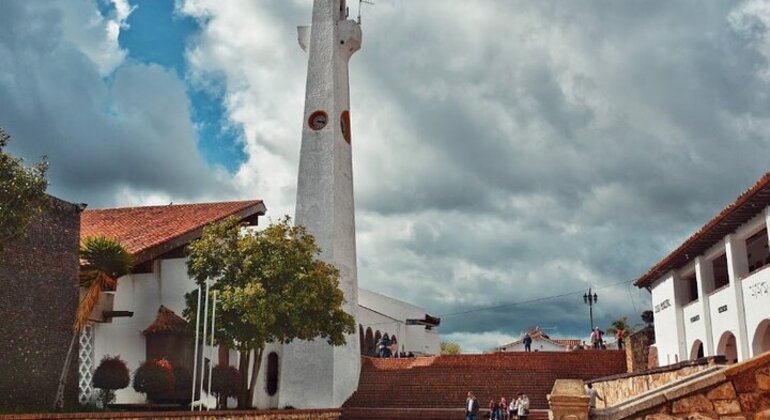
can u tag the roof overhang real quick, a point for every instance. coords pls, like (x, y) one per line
(748, 205)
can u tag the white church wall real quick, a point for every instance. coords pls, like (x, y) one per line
(388, 315)
(756, 297)
(666, 325)
(142, 294)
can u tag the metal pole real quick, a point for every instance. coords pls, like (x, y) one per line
(591, 312)
(211, 349)
(205, 323)
(195, 359)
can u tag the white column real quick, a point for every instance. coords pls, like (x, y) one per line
(681, 290)
(737, 268)
(704, 274)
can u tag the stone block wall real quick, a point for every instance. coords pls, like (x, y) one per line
(638, 349)
(37, 290)
(737, 392)
(618, 388)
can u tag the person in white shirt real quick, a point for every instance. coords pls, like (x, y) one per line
(522, 406)
(592, 396)
(471, 407)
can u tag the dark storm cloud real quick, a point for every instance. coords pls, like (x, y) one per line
(598, 135)
(130, 130)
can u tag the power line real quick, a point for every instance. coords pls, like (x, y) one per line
(506, 305)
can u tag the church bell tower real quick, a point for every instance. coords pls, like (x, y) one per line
(313, 373)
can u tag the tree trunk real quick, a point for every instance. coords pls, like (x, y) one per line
(243, 369)
(255, 372)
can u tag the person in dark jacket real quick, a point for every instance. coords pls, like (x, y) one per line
(471, 407)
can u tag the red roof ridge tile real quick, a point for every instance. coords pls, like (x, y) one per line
(167, 322)
(149, 231)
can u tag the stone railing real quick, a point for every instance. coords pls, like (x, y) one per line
(740, 391)
(568, 400)
(618, 388)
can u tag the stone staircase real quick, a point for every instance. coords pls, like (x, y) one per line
(436, 387)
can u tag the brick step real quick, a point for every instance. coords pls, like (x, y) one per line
(439, 382)
(394, 413)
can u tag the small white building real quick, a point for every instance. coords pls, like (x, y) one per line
(540, 342)
(711, 295)
(141, 320)
(413, 329)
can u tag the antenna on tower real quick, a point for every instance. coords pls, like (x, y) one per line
(360, 2)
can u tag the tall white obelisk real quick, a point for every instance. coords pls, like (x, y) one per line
(315, 374)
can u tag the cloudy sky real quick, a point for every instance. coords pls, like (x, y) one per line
(508, 155)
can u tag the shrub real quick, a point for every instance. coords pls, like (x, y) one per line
(225, 382)
(111, 374)
(182, 384)
(155, 379)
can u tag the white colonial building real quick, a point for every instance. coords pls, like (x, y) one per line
(141, 319)
(711, 296)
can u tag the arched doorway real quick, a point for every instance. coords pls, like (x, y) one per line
(361, 342)
(696, 352)
(727, 347)
(761, 342)
(369, 340)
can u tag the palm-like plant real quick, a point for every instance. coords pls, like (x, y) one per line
(620, 324)
(103, 261)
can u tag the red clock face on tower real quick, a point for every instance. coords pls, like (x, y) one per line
(345, 125)
(317, 120)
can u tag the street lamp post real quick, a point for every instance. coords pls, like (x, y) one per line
(590, 299)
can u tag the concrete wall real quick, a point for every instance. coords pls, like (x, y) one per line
(38, 274)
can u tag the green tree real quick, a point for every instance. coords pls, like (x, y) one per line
(449, 348)
(22, 192)
(103, 261)
(648, 317)
(271, 288)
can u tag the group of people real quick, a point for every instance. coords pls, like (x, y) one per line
(597, 338)
(517, 408)
(387, 347)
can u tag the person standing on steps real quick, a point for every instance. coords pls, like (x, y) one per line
(592, 396)
(471, 407)
(527, 343)
(596, 338)
(522, 406)
(619, 337)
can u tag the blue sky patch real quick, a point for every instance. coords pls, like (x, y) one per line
(157, 35)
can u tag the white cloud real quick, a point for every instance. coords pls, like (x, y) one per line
(95, 35)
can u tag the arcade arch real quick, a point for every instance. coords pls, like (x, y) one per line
(761, 342)
(727, 347)
(696, 352)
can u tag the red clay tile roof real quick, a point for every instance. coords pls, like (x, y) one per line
(150, 231)
(167, 322)
(746, 206)
(567, 342)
